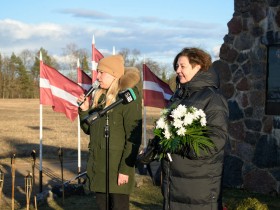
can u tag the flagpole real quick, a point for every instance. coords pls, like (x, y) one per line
(96, 56)
(114, 50)
(145, 124)
(79, 146)
(79, 132)
(93, 61)
(41, 139)
(145, 121)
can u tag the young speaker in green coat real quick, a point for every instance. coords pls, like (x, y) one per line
(125, 133)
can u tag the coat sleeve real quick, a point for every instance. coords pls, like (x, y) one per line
(133, 132)
(217, 121)
(84, 126)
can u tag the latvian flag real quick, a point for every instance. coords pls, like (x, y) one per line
(84, 80)
(59, 92)
(156, 93)
(96, 56)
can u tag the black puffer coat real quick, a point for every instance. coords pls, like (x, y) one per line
(190, 182)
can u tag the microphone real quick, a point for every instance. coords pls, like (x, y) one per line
(89, 92)
(125, 96)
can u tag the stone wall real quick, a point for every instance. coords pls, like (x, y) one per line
(253, 152)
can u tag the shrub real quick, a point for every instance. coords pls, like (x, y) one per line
(251, 204)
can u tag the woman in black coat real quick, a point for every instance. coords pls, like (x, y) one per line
(191, 181)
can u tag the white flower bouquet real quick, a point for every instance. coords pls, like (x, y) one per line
(182, 128)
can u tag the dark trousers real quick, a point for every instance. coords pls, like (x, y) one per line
(116, 201)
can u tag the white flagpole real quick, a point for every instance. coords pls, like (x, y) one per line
(93, 61)
(79, 134)
(145, 122)
(114, 50)
(41, 139)
(145, 126)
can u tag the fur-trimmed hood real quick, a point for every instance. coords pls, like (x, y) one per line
(130, 78)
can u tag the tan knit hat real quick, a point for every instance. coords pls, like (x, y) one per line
(113, 65)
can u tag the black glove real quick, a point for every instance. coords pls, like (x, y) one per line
(150, 152)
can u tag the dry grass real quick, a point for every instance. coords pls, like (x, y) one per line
(20, 122)
(20, 134)
(19, 130)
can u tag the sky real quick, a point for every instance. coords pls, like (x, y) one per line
(158, 29)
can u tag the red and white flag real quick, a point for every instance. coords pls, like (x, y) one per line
(96, 56)
(59, 92)
(156, 93)
(84, 80)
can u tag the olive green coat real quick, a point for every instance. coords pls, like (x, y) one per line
(125, 135)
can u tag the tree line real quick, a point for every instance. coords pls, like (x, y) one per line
(20, 74)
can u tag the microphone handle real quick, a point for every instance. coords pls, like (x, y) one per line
(87, 95)
(90, 91)
(80, 103)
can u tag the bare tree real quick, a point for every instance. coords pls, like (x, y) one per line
(72, 53)
(28, 58)
(131, 57)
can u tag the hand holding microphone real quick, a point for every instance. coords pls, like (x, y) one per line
(83, 102)
(125, 97)
(83, 98)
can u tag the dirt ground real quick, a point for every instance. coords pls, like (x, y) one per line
(51, 176)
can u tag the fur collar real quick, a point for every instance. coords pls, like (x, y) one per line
(130, 78)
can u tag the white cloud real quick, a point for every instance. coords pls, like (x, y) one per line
(17, 30)
(158, 38)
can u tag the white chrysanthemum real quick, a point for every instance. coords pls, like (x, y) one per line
(188, 119)
(201, 113)
(161, 123)
(179, 112)
(203, 121)
(192, 109)
(166, 132)
(177, 123)
(196, 114)
(181, 131)
(181, 119)
(164, 112)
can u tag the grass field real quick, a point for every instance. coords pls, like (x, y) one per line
(19, 134)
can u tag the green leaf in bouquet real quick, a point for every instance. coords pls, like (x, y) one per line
(181, 127)
(175, 143)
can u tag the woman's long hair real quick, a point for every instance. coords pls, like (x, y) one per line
(111, 95)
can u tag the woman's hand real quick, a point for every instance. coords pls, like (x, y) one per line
(122, 179)
(85, 102)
